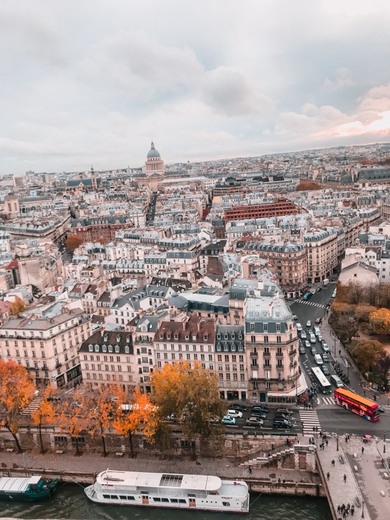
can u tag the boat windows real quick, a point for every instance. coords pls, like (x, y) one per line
(174, 500)
(106, 496)
(182, 501)
(123, 497)
(227, 504)
(157, 499)
(165, 500)
(115, 497)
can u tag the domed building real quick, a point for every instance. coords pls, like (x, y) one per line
(154, 165)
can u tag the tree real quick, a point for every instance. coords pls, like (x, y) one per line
(192, 393)
(380, 321)
(16, 393)
(101, 406)
(382, 369)
(17, 306)
(72, 417)
(308, 185)
(366, 354)
(44, 414)
(73, 242)
(135, 413)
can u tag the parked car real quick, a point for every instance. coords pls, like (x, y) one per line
(325, 357)
(285, 411)
(302, 349)
(262, 407)
(313, 351)
(253, 420)
(237, 406)
(313, 339)
(259, 413)
(319, 337)
(282, 423)
(299, 327)
(325, 369)
(308, 324)
(303, 335)
(228, 420)
(307, 344)
(232, 412)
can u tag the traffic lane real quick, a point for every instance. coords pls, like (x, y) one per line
(341, 421)
(306, 312)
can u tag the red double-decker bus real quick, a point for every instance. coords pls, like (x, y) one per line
(357, 404)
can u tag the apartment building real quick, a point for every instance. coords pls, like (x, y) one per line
(190, 340)
(47, 344)
(287, 261)
(107, 357)
(322, 249)
(230, 362)
(271, 349)
(269, 209)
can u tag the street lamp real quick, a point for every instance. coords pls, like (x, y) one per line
(384, 443)
(337, 442)
(362, 508)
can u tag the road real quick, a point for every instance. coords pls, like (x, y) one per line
(331, 417)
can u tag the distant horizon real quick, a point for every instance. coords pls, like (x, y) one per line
(167, 164)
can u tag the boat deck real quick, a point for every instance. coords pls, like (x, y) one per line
(231, 489)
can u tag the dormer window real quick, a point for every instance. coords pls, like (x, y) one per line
(226, 335)
(187, 336)
(176, 336)
(161, 336)
(104, 348)
(117, 349)
(233, 336)
(194, 337)
(127, 349)
(118, 338)
(219, 335)
(105, 337)
(205, 337)
(127, 339)
(90, 348)
(168, 336)
(109, 348)
(96, 348)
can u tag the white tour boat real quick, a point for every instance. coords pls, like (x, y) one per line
(133, 488)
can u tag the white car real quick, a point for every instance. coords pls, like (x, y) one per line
(308, 324)
(299, 327)
(234, 413)
(303, 335)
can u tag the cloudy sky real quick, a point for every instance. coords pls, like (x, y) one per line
(94, 81)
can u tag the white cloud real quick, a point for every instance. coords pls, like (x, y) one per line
(95, 81)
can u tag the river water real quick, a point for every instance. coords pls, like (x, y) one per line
(70, 502)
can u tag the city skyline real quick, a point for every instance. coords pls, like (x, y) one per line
(94, 83)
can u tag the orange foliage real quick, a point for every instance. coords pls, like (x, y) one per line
(73, 242)
(380, 321)
(16, 393)
(135, 413)
(44, 414)
(17, 306)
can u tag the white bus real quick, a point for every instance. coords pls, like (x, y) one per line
(321, 380)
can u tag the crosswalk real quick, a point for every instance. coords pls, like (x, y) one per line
(313, 304)
(310, 422)
(326, 400)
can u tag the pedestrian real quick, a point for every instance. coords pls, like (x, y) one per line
(333, 463)
(348, 507)
(352, 510)
(338, 509)
(326, 442)
(250, 470)
(345, 478)
(362, 450)
(328, 476)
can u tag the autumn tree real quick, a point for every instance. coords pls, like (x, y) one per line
(192, 393)
(44, 414)
(16, 393)
(17, 306)
(366, 354)
(380, 321)
(101, 407)
(72, 417)
(73, 242)
(135, 413)
(307, 185)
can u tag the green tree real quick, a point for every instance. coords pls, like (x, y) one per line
(16, 393)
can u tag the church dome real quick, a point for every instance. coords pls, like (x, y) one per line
(153, 153)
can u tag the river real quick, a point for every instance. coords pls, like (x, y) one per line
(70, 502)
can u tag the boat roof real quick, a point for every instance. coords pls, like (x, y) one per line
(17, 484)
(156, 480)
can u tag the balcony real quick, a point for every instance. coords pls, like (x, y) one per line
(265, 365)
(253, 353)
(292, 352)
(293, 363)
(279, 354)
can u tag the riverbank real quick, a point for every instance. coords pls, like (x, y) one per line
(83, 469)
